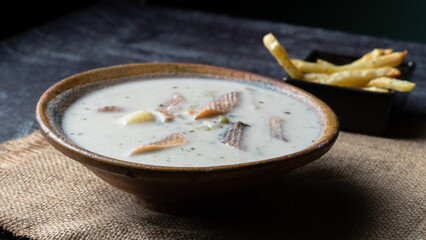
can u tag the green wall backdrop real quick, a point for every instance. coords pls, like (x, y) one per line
(397, 19)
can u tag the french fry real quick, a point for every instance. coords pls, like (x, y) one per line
(392, 83)
(366, 57)
(316, 77)
(389, 60)
(324, 62)
(376, 89)
(352, 78)
(280, 54)
(373, 54)
(309, 67)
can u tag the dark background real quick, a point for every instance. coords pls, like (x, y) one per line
(396, 19)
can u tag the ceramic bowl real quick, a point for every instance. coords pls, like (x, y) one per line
(178, 189)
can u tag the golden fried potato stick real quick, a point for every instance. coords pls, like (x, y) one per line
(310, 67)
(390, 60)
(373, 54)
(392, 83)
(352, 78)
(368, 56)
(324, 62)
(316, 77)
(280, 54)
(375, 89)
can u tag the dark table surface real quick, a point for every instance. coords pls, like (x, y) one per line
(113, 32)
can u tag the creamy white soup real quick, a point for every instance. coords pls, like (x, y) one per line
(189, 122)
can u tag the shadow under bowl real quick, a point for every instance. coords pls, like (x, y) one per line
(178, 190)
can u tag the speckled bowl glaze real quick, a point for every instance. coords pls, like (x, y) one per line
(178, 189)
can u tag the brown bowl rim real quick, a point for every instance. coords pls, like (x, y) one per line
(62, 143)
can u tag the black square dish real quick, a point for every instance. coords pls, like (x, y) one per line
(358, 110)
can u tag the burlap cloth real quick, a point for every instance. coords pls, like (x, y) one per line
(365, 188)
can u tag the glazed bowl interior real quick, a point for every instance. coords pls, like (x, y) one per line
(157, 185)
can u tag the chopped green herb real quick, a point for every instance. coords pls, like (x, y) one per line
(222, 119)
(287, 112)
(88, 109)
(192, 148)
(175, 87)
(245, 124)
(261, 102)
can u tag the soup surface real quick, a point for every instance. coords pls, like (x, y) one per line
(129, 121)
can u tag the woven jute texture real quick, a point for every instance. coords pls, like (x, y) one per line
(365, 188)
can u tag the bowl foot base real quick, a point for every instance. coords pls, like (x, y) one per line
(193, 208)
